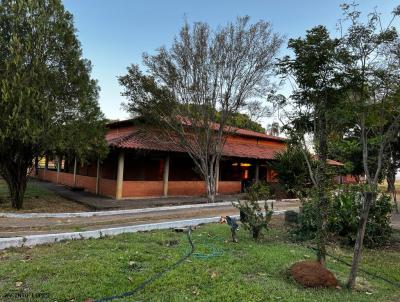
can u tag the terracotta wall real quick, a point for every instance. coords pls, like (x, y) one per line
(186, 188)
(106, 186)
(63, 178)
(279, 145)
(87, 182)
(155, 188)
(175, 188)
(142, 188)
(66, 179)
(229, 187)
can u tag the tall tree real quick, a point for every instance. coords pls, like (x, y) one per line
(392, 167)
(344, 145)
(372, 77)
(193, 90)
(46, 92)
(315, 72)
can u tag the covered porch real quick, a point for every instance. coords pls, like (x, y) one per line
(133, 173)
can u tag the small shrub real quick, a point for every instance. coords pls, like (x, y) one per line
(253, 217)
(343, 212)
(307, 220)
(278, 191)
(343, 217)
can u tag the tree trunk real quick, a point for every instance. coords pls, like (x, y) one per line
(391, 182)
(211, 179)
(210, 175)
(17, 193)
(368, 199)
(322, 232)
(210, 185)
(16, 179)
(256, 233)
(36, 166)
(322, 182)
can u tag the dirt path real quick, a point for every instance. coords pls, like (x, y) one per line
(12, 227)
(39, 199)
(395, 221)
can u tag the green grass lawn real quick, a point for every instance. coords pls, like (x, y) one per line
(247, 271)
(38, 199)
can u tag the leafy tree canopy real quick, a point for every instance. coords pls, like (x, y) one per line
(206, 77)
(163, 101)
(48, 101)
(292, 171)
(243, 121)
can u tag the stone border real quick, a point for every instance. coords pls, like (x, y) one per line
(32, 240)
(124, 212)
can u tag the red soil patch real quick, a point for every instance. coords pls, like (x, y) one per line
(312, 274)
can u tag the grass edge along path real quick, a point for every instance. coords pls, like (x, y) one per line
(247, 271)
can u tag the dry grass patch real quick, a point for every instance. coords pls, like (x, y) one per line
(39, 200)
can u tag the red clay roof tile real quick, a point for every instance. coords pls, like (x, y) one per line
(234, 149)
(236, 131)
(134, 139)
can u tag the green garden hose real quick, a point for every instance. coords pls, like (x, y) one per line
(212, 251)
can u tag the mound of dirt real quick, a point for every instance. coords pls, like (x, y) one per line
(312, 274)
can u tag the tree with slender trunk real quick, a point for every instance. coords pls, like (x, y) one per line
(372, 95)
(193, 90)
(315, 73)
(46, 90)
(392, 166)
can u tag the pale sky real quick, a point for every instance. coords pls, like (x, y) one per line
(114, 34)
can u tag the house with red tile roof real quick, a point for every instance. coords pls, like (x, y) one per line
(140, 164)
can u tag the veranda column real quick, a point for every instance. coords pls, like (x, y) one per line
(120, 175)
(46, 166)
(36, 166)
(257, 172)
(216, 178)
(166, 176)
(74, 181)
(98, 176)
(58, 168)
